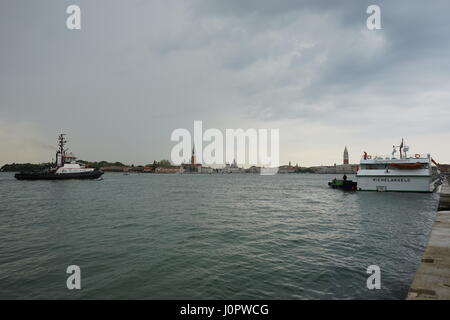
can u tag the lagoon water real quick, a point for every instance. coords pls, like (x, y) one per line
(231, 236)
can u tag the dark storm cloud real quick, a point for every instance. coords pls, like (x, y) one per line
(406, 58)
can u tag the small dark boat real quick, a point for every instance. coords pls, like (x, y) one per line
(348, 185)
(66, 167)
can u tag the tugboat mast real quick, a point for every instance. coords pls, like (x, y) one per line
(60, 154)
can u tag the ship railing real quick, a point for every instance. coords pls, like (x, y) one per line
(396, 157)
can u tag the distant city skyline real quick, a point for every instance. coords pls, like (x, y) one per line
(138, 70)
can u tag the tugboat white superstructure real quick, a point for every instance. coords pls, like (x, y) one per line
(398, 172)
(66, 167)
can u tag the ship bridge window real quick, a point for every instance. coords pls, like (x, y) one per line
(373, 166)
(409, 166)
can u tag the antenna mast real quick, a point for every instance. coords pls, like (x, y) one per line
(61, 153)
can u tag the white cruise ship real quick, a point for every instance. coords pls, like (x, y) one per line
(398, 172)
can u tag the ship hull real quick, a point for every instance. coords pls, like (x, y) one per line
(64, 176)
(395, 183)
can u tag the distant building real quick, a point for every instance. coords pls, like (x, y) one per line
(170, 169)
(254, 169)
(189, 168)
(345, 155)
(336, 169)
(114, 169)
(193, 166)
(193, 158)
(232, 168)
(149, 169)
(206, 170)
(288, 169)
(323, 169)
(347, 168)
(136, 169)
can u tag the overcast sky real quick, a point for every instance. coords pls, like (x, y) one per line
(137, 70)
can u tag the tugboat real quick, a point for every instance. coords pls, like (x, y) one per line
(65, 167)
(343, 184)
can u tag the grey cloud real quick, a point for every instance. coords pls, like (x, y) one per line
(140, 69)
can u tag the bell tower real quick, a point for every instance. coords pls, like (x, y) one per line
(345, 155)
(193, 157)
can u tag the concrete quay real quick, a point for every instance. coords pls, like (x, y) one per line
(432, 280)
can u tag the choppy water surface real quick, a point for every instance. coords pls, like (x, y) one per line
(147, 236)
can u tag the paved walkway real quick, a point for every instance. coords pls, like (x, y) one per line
(432, 280)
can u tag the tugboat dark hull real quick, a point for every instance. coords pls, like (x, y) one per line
(52, 176)
(348, 185)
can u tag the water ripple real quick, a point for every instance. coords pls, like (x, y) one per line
(207, 237)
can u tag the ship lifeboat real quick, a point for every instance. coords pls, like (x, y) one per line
(416, 165)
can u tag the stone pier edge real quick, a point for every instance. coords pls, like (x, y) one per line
(432, 279)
